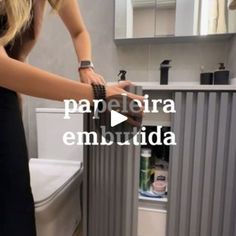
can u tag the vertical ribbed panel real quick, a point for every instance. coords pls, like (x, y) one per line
(202, 189)
(110, 187)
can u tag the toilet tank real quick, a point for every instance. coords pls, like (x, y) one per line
(51, 127)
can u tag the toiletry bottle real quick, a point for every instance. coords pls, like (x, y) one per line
(221, 76)
(122, 75)
(144, 182)
(165, 66)
(206, 77)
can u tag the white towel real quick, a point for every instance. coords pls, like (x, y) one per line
(213, 16)
(217, 17)
(221, 21)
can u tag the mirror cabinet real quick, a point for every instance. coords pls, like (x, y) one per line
(172, 18)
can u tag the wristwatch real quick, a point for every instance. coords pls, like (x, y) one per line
(86, 64)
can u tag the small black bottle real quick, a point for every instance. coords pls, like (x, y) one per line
(165, 66)
(221, 76)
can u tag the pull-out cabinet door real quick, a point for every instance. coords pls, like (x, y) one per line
(111, 181)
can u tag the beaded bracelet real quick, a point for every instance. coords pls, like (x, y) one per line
(99, 91)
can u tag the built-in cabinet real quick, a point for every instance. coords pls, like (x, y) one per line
(201, 179)
(202, 189)
(202, 166)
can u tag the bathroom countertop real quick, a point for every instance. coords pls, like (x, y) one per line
(184, 86)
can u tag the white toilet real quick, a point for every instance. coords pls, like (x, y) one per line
(56, 175)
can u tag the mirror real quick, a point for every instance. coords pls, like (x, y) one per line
(153, 18)
(169, 18)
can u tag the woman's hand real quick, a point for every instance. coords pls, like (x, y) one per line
(88, 76)
(119, 89)
(116, 92)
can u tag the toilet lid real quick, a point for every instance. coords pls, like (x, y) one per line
(49, 176)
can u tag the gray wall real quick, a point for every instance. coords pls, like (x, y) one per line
(54, 53)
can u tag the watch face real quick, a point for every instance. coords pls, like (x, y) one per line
(86, 64)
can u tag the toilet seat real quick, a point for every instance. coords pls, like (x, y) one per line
(50, 177)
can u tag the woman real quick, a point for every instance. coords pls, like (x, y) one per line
(19, 28)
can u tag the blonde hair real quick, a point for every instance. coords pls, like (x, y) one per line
(18, 15)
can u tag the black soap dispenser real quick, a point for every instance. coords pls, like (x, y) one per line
(122, 75)
(206, 77)
(221, 76)
(164, 68)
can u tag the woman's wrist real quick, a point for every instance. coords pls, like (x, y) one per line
(85, 65)
(99, 91)
(84, 71)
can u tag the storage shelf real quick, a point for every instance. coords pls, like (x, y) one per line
(156, 123)
(150, 199)
(172, 39)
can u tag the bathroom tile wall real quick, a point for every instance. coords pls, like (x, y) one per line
(54, 53)
(142, 62)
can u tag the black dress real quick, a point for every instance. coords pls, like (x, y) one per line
(17, 216)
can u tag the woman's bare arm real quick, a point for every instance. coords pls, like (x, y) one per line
(72, 18)
(26, 79)
(29, 80)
